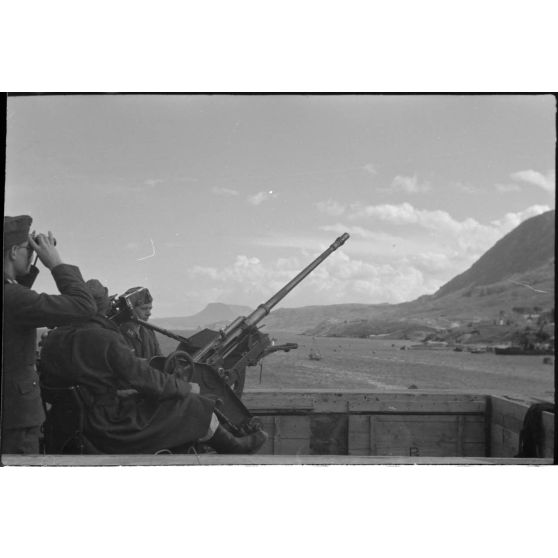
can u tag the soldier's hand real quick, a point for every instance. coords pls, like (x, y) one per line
(195, 387)
(45, 248)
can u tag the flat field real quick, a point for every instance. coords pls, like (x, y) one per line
(379, 364)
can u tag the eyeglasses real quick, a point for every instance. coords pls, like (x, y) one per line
(27, 247)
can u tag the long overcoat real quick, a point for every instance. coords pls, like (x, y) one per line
(24, 311)
(141, 339)
(164, 415)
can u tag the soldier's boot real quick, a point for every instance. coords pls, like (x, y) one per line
(225, 442)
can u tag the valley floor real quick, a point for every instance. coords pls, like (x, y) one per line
(349, 363)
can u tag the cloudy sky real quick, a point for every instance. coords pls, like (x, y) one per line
(225, 198)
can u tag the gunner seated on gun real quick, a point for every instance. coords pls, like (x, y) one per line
(141, 339)
(169, 412)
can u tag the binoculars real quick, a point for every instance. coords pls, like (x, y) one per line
(35, 238)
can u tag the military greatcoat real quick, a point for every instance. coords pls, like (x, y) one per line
(141, 339)
(24, 311)
(164, 415)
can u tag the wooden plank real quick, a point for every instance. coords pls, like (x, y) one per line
(505, 442)
(372, 435)
(329, 434)
(474, 430)
(460, 428)
(428, 435)
(333, 393)
(359, 423)
(416, 431)
(417, 406)
(548, 427)
(335, 401)
(359, 437)
(424, 431)
(257, 459)
(291, 446)
(509, 414)
(276, 436)
(419, 450)
(507, 422)
(477, 449)
(275, 401)
(295, 427)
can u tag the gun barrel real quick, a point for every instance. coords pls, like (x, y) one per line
(265, 308)
(161, 330)
(235, 329)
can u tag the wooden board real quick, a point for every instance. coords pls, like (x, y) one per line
(504, 442)
(288, 435)
(332, 401)
(506, 421)
(258, 459)
(548, 425)
(508, 414)
(409, 435)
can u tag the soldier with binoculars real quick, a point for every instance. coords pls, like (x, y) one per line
(24, 311)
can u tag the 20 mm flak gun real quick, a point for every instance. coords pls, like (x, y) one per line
(217, 360)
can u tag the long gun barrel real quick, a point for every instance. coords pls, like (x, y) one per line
(220, 347)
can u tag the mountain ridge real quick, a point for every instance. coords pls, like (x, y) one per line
(517, 272)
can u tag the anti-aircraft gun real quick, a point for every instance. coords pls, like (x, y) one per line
(217, 360)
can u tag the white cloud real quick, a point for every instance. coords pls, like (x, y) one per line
(409, 184)
(330, 207)
(152, 182)
(512, 220)
(374, 266)
(227, 192)
(248, 275)
(508, 187)
(370, 168)
(546, 182)
(464, 187)
(260, 197)
(400, 214)
(437, 231)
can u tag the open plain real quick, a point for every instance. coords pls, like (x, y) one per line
(380, 364)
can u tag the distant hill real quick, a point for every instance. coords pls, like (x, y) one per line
(515, 276)
(528, 247)
(213, 313)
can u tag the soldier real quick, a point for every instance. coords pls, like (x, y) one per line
(24, 311)
(141, 339)
(168, 411)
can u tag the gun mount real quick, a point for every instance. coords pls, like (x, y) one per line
(217, 361)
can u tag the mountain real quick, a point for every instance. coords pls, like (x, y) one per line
(526, 248)
(214, 313)
(513, 278)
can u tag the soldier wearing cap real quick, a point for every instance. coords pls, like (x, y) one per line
(168, 412)
(25, 310)
(141, 339)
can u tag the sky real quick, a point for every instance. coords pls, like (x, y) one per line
(225, 198)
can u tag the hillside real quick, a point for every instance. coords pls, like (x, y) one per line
(514, 277)
(527, 247)
(511, 280)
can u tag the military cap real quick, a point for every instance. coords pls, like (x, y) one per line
(97, 290)
(16, 230)
(139, 296)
